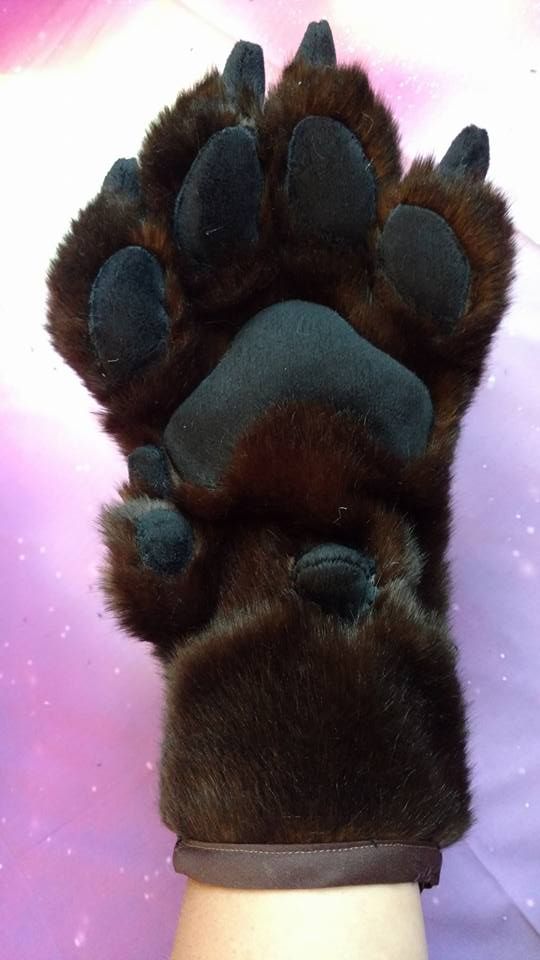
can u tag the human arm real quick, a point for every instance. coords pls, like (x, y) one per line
(382, 922)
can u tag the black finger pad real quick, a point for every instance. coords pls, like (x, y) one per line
(164, 540)
(317, 46)
(217, 209)
(123, 179)
(338, 578)
(423, 259)
(245, 68)
(329, 183)
(128, 324)
(468, 154)
(148, 467)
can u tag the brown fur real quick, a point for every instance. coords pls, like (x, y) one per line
(282, 723)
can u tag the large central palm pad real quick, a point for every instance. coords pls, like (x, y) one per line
(296, 351)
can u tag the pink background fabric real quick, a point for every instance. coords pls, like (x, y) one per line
(85, 865)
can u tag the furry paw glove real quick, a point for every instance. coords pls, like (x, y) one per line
(284, 332)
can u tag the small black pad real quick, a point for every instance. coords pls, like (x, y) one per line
(317, 47)
(217, 209)
(128, 324)
(164, 540)
(295, 351)
(468, 154)
(341, 580)
(245, 68)
(420, 254)
(329, 182)
(123, 178)
(148, 467)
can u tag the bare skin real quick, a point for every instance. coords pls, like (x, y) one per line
(349, 923)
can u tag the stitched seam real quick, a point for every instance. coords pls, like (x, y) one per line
(292, 853)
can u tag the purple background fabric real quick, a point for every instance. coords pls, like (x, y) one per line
(85, 864)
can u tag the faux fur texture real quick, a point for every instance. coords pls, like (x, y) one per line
(283, 722)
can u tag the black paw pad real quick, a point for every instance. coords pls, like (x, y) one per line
(468, 154)
(423, 259)
(164, 540)
(148, 467)
(330, 186)
(123, 178)
(128, 324)
(245, 69)
(317, 47)
(217, 209)
(341, 580)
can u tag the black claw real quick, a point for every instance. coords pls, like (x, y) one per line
(217, 209)
(467, 155)
(164, 540)
(123, 177)
(148, 467)
(128, 324)
(245, 68)
(317, 47)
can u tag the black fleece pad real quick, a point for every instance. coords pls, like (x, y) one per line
(338, 578)
(329, 182)
(123, 178)
(164, 540)
(423, 259)
(245, 68)
(217, 209)
(148, 466)
(295, 351)
(128, 324)
(317, 45)
(468, 154)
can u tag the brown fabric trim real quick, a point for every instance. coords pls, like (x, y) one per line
(306, 866)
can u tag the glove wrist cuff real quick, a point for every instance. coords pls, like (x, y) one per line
(310, 865)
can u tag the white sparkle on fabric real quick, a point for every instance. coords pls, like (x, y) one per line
(530, 530)
(530, 902)
(149, 765)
